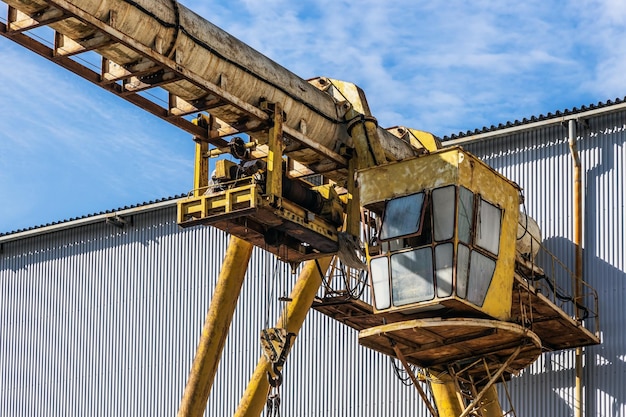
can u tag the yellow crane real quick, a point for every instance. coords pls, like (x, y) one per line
(457, 296)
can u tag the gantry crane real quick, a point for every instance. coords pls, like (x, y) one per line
(455, 287)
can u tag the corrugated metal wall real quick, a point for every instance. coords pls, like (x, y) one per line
(540, 161)
(104, 321)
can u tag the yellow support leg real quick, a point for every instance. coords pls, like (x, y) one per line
(445, 395)
(215, 328)
(449, 403)
(309, 281)
(490, 404)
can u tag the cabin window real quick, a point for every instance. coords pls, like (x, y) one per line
(443, 212)
(462, 269)
(434, 244)
(380, 282)
(465, 215)
(443, 268)
(402, 217)
(480, 274)
(488, 231)
(412, 276)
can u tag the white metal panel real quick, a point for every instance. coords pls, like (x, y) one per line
(540, 161)
(97, 320)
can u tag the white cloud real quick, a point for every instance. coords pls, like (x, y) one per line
(443, 68)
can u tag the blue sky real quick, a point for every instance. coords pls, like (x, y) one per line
(67, 148)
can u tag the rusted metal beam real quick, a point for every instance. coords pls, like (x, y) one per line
(489, 386)
(65, 46)
(94, 77)
(161, 59)
(307, 142)
(416, 383)
(20, 22)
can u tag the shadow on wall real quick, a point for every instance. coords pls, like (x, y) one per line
(551, 381)
(605, 364)
(549, 384)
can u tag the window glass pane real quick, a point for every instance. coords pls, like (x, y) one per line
(488, 233)
(443, 212)
(481, 272)
(466, 214)
(402, 216)
(412, 276)
(462, 269)
(379, 271)
(443, 269)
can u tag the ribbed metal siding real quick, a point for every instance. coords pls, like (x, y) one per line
(541, 163)
(104, 321)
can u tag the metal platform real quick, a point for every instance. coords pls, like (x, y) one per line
(437, 342)
(284, 229)
(556, 329)
(541, 318)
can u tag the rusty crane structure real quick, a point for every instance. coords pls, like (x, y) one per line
(457, 293)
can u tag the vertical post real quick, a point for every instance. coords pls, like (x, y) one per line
(292, 318)
(201, 161)
(200, 168)
(274, 182)
(578, 266)
(215, 328)
(353, 213)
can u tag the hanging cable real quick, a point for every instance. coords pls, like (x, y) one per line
(525, 219)
(400, 373)
(270, 297)
(357, 291)
(563, 297)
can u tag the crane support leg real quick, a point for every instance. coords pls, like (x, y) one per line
(292, 317)
(445, 395)
(449, 401)
(490, 403)
(215, 328)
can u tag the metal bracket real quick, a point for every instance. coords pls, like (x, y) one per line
(119, 221)
(271, 108)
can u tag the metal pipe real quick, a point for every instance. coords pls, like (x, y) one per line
(292, 318)
(215, 328)
(578, 267)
